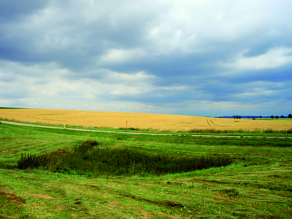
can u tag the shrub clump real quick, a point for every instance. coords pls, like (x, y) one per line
(93, 159)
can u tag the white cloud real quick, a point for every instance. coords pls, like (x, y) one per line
(135, 77)
(176, 88)
(117, 56)
(257, 92)
(198, 26)
(49, 81)
(127, 90)
(132, 84)
(38, 71)
(274, 58)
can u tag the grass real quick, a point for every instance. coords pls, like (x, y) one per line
(279, 119)
(256, 185)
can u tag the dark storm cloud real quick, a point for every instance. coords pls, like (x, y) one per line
(11, 11)
(72, 33)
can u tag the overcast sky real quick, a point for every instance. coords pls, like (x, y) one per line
(201, 58)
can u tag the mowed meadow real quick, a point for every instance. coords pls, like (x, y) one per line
(257, 183)
(143, 121)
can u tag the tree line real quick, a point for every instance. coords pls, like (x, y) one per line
(277, 117)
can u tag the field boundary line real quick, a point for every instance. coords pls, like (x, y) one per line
(139, 133)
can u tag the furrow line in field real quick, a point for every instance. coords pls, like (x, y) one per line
(208, 122)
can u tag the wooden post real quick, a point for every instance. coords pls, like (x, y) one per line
(126, 124)
(92, 126)
(64, 125)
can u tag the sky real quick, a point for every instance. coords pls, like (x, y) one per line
(183, 57)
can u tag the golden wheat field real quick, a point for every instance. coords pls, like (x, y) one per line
(138, 120)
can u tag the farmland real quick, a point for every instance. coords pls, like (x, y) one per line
(140, 121)
(257, 184)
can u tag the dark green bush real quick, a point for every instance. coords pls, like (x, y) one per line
(107, 161)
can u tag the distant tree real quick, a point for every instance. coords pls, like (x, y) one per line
(248, 117)
(261, 117)
(253, 118)
(277, 117)
(239, 117)
(272, 116)
(282, 117)
(289, 116)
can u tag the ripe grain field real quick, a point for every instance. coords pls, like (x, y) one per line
(141, 121)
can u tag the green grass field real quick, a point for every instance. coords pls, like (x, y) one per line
(11, 108)
(279, 119)
(258, 184)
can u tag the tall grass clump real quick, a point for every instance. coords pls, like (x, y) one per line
(32, 161)
(91, 158)
(235, 131)
(270, 131)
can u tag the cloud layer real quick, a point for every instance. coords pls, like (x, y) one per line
(202, 57)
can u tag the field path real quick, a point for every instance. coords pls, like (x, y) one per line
(137, 133)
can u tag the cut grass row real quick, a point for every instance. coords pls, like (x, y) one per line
(256, 185)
